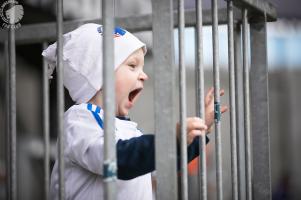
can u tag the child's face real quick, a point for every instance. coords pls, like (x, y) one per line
(129, 79)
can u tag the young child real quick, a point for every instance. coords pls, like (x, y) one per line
(83, 122)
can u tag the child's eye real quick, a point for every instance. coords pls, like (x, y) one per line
(132, 66)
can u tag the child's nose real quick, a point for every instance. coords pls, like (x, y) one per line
(143, 76)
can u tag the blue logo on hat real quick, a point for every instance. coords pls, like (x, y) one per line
(117, 32)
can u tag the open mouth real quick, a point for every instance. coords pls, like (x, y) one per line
(133, 94)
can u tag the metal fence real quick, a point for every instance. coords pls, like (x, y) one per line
(248, 82)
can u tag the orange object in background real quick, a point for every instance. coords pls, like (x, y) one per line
(193, 167)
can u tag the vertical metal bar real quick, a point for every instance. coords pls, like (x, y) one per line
(219, 176)
(232, 100)
(60, 97)
(46, 125)
(12, 130)
(260, 110)
(239, 113)
(7, 132)
(200, 96)
(164, 79)
(4, 81)
(247, 106)
(183, 112)
(109, 165)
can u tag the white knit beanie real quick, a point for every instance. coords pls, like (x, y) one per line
(82, 58)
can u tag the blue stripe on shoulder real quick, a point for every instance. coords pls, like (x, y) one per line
(97, 109)
(95, 114)
(89, 106)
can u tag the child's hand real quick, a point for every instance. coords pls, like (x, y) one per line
(209, 108)
(195, 127)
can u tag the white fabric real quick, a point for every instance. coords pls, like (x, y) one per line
(83, 59)
(83, 154)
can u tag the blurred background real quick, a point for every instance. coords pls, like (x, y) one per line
(284, 58)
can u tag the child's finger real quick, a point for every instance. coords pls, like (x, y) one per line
(195, 133)
(209, 130)
(198, 126)
(209, 96)
(222, 92)
(192, 134)
(224, 108)
(203, 127)
(196, 123)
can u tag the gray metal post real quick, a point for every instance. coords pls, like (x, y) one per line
(46, 125)
(164, 79)
(109, 165)
(11, 116)
(247, 105)
(183, 112)
(7, 131)
(260, 110)
(60, 97)
(232, 100)
(239, 112)
(200, 97)
(218, 145)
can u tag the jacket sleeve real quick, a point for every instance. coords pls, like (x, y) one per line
(136, 156)
(193, 149)
(84, 143)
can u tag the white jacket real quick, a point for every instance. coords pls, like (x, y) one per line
(83, 155)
